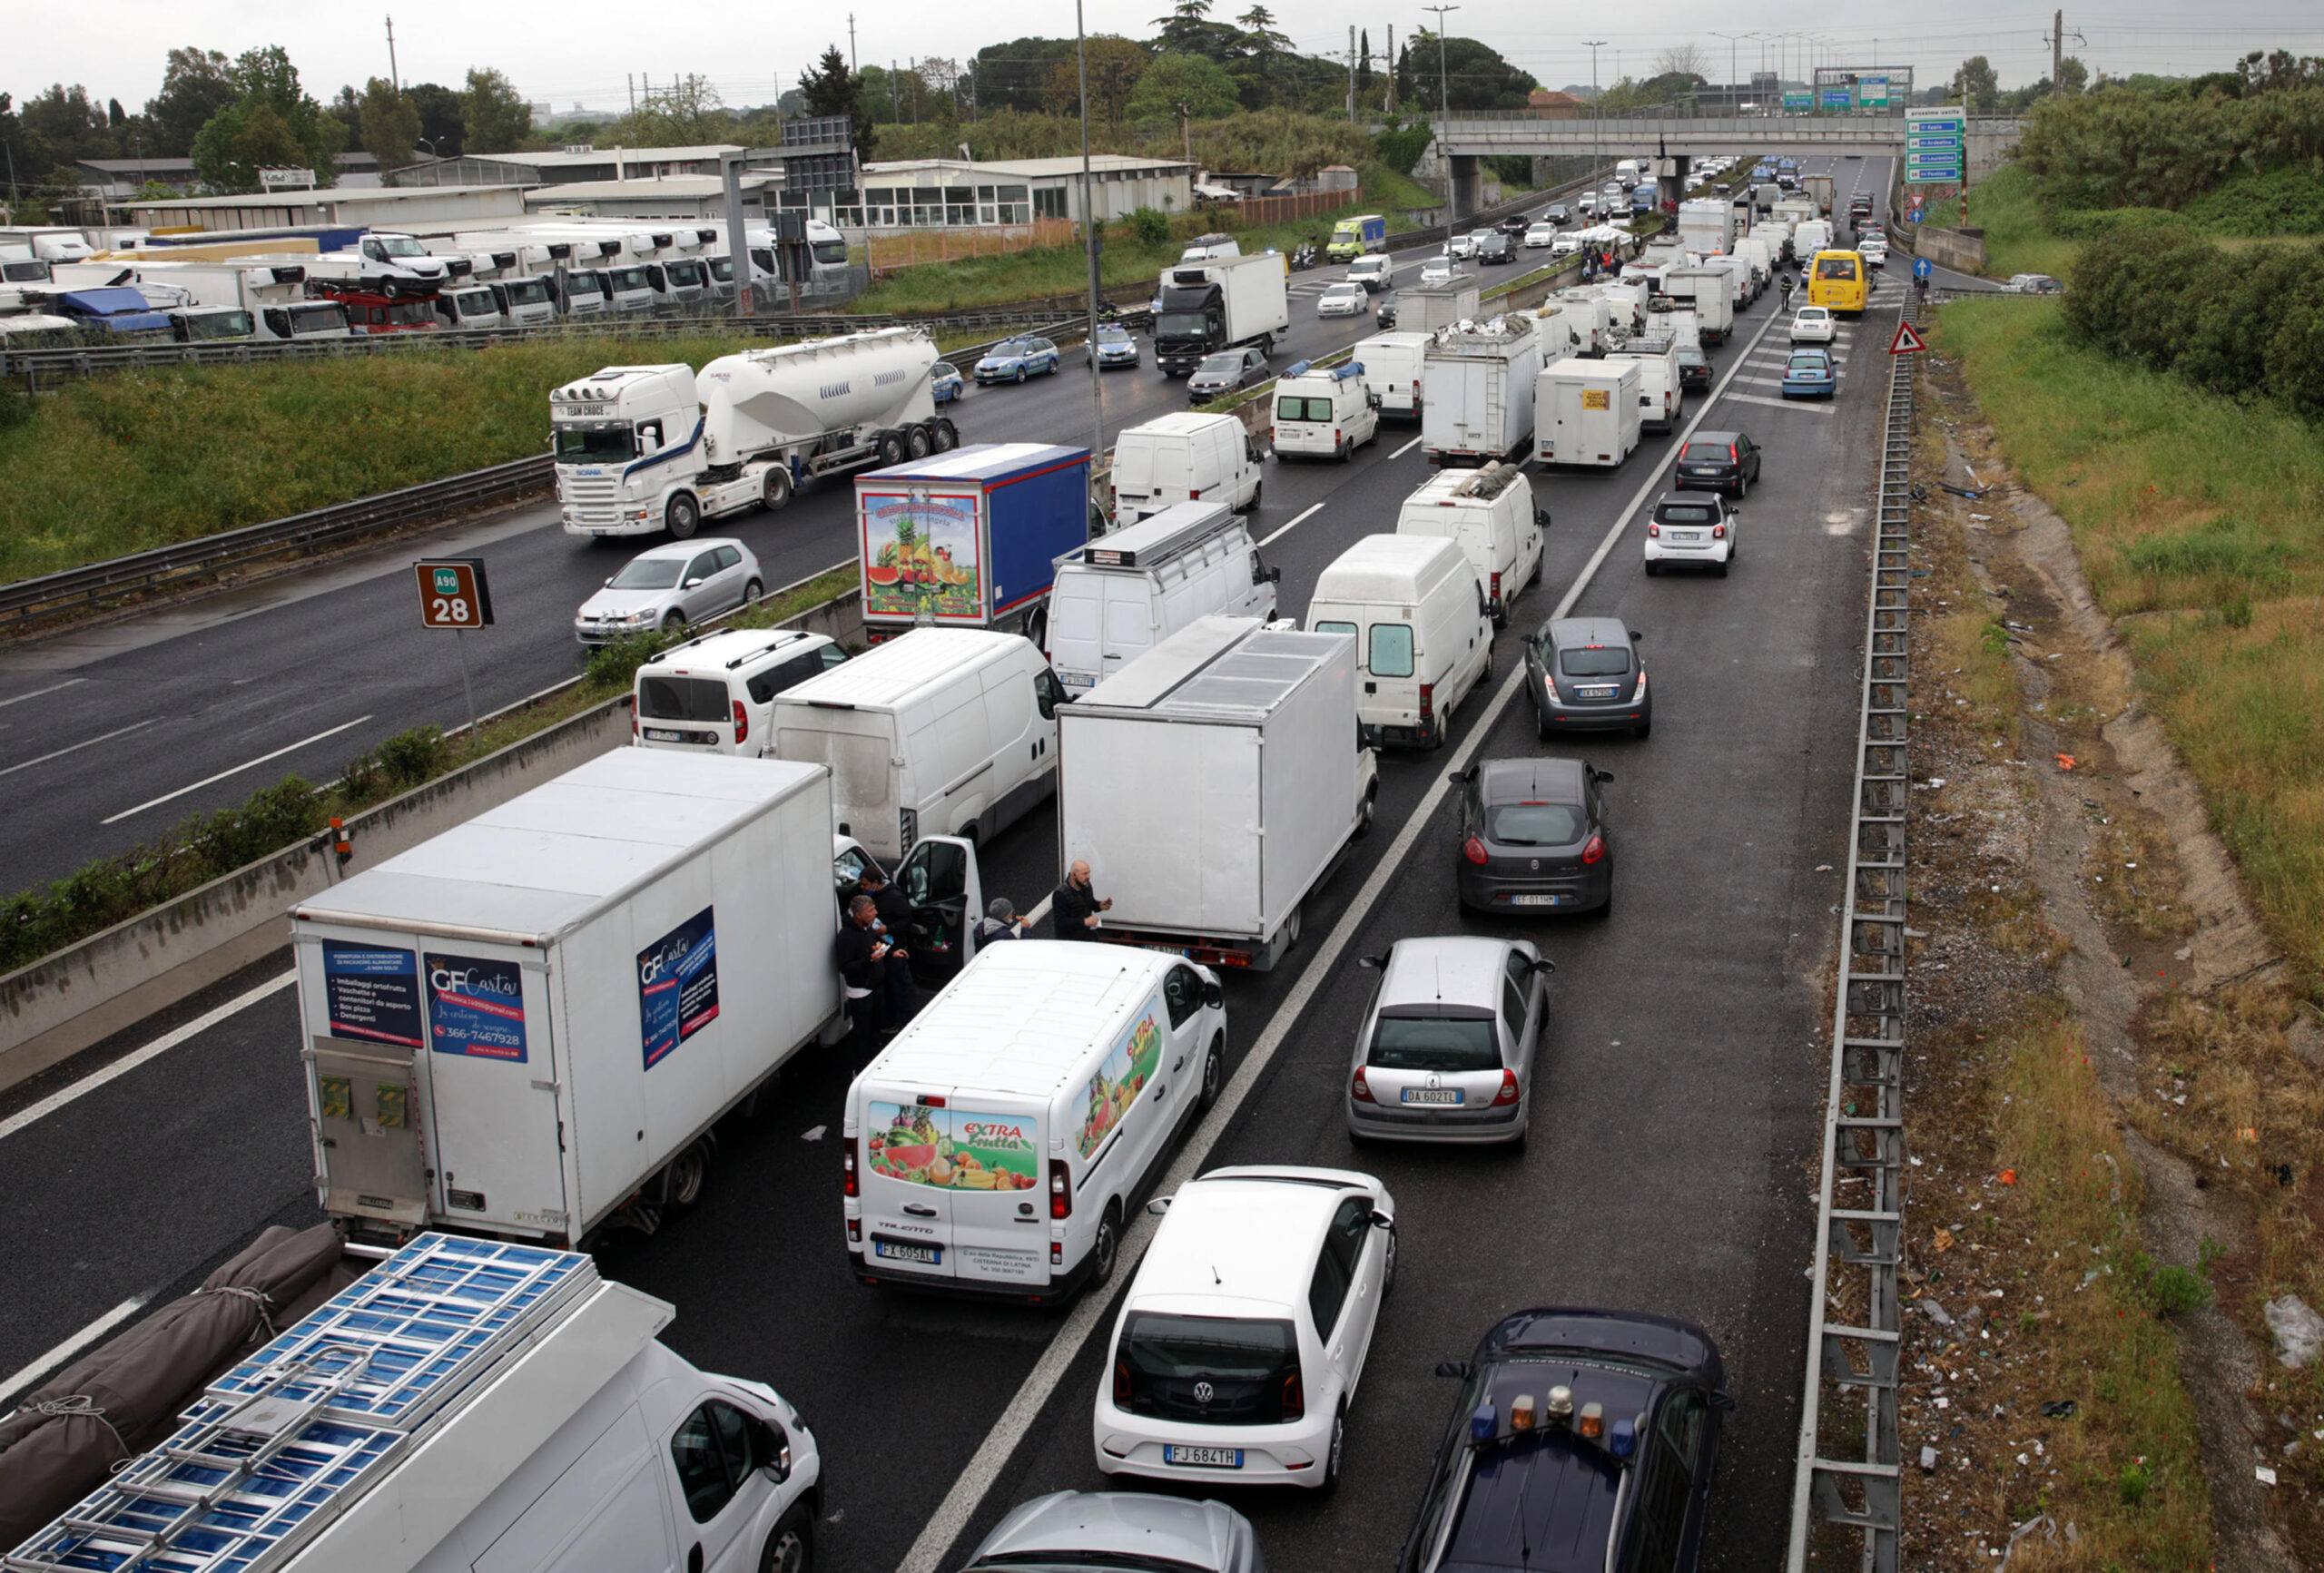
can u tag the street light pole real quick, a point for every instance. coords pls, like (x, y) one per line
(1734, 99)
(1089, 246)
(1593, 46)
(1443, 118)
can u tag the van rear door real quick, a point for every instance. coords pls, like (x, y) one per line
(951, 1186)
(1127, 603)
(858, 746)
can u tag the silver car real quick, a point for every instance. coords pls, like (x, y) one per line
(1119, 1532)
(669, 587)
(1445, 1051)
(1344, 299)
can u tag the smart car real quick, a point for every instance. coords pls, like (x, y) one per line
(1585, 674)
(1691, 527)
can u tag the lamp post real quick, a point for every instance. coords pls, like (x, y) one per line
(1443, 116)
(1593, 46)
(1734, 99)
(1089, 245)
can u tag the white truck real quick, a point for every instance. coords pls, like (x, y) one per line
(1425, 308)
(1707, 225)
(466, 1404)
(1392, 364)
(644, 448)
(1586, 413)
(1477, 392)
(1661, 395)
(1709, 293)
(523, 1027)
(1212, 785)
(1218, 304)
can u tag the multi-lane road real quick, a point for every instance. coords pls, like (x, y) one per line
(1672, 1165)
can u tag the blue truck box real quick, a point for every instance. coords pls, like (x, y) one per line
(970, 538)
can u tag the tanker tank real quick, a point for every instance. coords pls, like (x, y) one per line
(798, 393)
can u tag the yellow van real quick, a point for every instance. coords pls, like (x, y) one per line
(1837, 279)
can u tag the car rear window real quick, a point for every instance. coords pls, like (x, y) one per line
(1684, 514)
(682, 698)
(1810, 362)
(1240, 1368)
(1707, 452)
(1435, 1043)
(1533, 824)
(1593, 660)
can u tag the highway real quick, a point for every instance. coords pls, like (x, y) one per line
(1671, 1168)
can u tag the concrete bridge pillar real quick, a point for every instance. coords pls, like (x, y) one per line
(1671, 186)
(1468, 184)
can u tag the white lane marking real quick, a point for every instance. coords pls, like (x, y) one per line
(136, 1057)
(75, 748)
(961, 1503)
(1405, 449)
(221, 775)
(36, 693)
(71, 1346)
(1777, 403)
(1295, 524)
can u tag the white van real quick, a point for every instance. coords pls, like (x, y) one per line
(1392, 371)
(1492, 513)
(998, 1144)
(945, 731)
(1585, 412)
(1183, 459)
(1117, 597)
(1210, 247)
(1661, 395)
(1813, 236)
(1422, 630)
(1327, 413)
(715, 692)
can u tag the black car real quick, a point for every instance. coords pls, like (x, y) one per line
(1717, 461)
(1557, 214)
(1694, 369)
(1496, 248)
(1514, 226)
(1533, 838)
(1383, 310)
(1584, 676)
(1581, 1439)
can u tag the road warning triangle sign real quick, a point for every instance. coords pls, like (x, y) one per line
(1906, 341)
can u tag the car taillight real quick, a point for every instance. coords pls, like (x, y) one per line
(1195, 495)
(1496, 586)
(849, 1184)
(1508, 1093)
(742, 722)
(1653, 528)
(1595, 849)
(1732, 457)
(1060, 1189)
(1428, 701)
(1294, 1396)
(1474, 851)
(1121, 1382)
(1360, 1090)
(1719, 532)
(632, 724)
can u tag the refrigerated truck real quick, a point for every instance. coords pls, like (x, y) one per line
(1220, 304)
(1709, 293)
(528, 1023)
(1212, 784)
(970, 538)
(1477, 392)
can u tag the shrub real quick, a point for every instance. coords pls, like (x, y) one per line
(1400, 147)
(2287, 200)
(2227, 548)
(2133, 1484)
(2174, 1289)
(1148, 226)
(410, 758)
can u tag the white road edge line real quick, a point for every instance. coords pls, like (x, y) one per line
(71, 1346)
(36, 693)
(1405, 449)
(1295, 524)
(136, 1057)
(75, 748)
(238, 770)
(961, 1503)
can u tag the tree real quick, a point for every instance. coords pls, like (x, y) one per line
(265, 79)
(1012, 75)
(493, 117)
(1976, 84)
(1480, 77)
(65, 123)
(442, 128)
(1183, 84)
(1363, 60)
(195, 86)
(2074, 77)
(684, 113)
(390, 124)
(831, 90)
(264, 140)
(1189, 30)
(1682, 59)
(1116, 64)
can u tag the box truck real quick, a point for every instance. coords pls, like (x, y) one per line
(1586, 413)
(1425, 308)
(1217, 305)
(466, 1404)
(1709, 293)
(968, 538)
(645, 448)
(1351, 237)
(1661, 397)
(1477, 392)
(1819, 186)
(522, 1027)
(1707, 225)
(1212, 785)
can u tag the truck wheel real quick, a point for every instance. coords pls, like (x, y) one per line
(777, 493)
(1037, 627)
(791, 1548)
(944, 434)
(1290, 929)
(684, 1181)
(681, 516)
(892, 449)
(917, 443)
(1365, 811)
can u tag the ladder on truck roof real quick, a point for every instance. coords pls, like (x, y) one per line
(285, 1444)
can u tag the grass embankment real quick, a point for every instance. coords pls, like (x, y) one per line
(2200, 520)
(40, 921)
(2018, 237)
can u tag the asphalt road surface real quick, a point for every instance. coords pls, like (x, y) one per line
(1672, 1165)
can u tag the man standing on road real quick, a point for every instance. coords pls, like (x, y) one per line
(1074, 906)
(886, 900)
(868, 959)
(999, 922)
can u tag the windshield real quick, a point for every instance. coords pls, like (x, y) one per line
(23, 273)
(317, 318)
(1435, 1043)
(528, 292)
(649, 574)
(1113, 336)
(218, 324)
(399, 246)
(1182, 325)
(1208, 1369)
(681, 698)
(629, 279)
(475, 302)
(1346, 291)
(595, 444)
(1533, 824)
(686, 275)
(722, 270)
(1222, 366)
(1591, 661)
(830, 253)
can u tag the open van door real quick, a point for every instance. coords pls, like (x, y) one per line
(939, 878)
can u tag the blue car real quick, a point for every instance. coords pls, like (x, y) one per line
(1017, 359)
(1808, 374)
(944, 382)
(1587, 1437)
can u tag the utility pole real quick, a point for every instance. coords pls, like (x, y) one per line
(2057, 50)
(1444, 122)
(395, 77)
(1392, 68)
(852, 68)
(629, 79)
(1734, 98)
(1350, 75)
(1090, 243)
(1593, 46)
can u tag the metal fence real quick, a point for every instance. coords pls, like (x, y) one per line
(1854, 1326)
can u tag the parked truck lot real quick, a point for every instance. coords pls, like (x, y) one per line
(1674, 1096)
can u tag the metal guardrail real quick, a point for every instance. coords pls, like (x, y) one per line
(1851, 1382)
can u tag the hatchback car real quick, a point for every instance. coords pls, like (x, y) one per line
(1444, 1052)
(1591, 1433)
(1540, 237)
(1015, 359)
(1584, 674)
(1500, 249)
(1240, 1345)
(1514, 225)
(1813, 324)
(1533, 837)
(1557, 214)
(1721, 461)
(1342, 300)
(668, 586)
(1383, 310)
(1874, 250)
(1694, 528)
(1112, 346)
(1808, 374)
(2033, 284)
(945, 383)
(1121, 1532)
(1229, 371)
(1694, 369)
(1436, 270)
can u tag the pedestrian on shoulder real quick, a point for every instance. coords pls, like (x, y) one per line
(999, 922)
(1074, 906)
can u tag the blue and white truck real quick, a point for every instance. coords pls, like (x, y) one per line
(970, 538)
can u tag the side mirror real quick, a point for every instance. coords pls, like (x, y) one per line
(1530, 641)
(1374, 963)
(1452, 1368)
(1542, 518)
(1381, 1220)
(1724, 1402)
(1274, 575)
(1636, 636)
(609, 584)
(691, 583)
(1602, 776)
(1545, 965)
(1159, 1205)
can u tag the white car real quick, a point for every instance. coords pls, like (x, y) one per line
(1239, 1346)
(1344, 299)
(1436, 270)
(1813, 324)
(1874, 250)
(1461, 246)
(1541, 235)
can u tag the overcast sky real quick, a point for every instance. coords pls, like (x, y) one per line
(582, 51)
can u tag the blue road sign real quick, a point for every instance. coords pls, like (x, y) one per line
(1918, 143)
(1921, 266)
(1915, 215)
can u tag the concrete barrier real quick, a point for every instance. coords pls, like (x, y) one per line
(66, 1002)
(1962, 250)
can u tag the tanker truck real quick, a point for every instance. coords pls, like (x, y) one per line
(642, 448)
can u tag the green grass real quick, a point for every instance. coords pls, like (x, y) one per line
(2203, 520)
(2018, 236)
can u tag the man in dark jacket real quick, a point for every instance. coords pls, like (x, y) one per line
(868, 959)
(894, 910)
(1074, 906)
